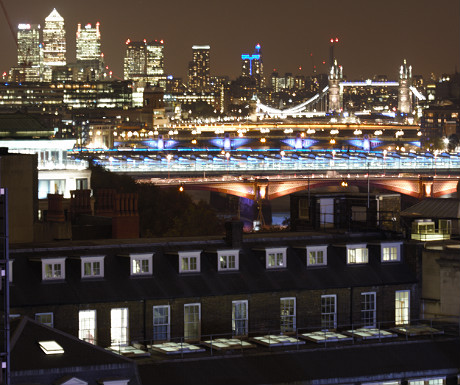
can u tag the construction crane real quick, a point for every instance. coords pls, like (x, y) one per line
(9, 22)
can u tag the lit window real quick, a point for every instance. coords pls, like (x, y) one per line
(240, 318)
(227, 260)
(189, 261)
(368, 309)
(10, 272)
(390, 252)
(328, 312)
(119, 326)
(92, 267)
(53, 269)
(402, 307)
(275, 258)
(50, 347)
(192, 321)
(357, 254)
(87, 326)
(45, 318)
(287, 315)
(303, 208)
(141, 264)
(161, 323)
(316, 255)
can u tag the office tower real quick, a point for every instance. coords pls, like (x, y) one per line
(252, 66)
(199, 69)
(29, 45)
(88, 42)
(404, 93)
(54, 42)
(144, 60)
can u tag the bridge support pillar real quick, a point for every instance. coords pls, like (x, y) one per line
(426, 188)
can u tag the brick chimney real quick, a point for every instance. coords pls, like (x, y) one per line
(55, 208)
(125, 220)
(234, 234)
(80, 203)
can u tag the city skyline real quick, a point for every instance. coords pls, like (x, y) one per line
(372, 40)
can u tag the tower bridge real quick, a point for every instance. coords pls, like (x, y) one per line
(330, 98)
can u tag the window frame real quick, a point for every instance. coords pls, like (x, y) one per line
(141, 257)
(120, 328)
(315, 249)
(325, 323)
(228, 253)
(187, 256)
(285, 319)
(384, 246)
(81, 330)
(361, 246)
(50, 324)
(399, 311)
(168, 324)
(275, 251)
(53, 262)
(187, 336)
(372, 311)
(236, 327)
(92, 260)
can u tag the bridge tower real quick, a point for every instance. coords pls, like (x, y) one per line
(404, 93)
(335, 89)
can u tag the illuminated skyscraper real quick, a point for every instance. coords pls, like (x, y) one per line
(88, 42)
(252, 66)
(29, 45)
(144, 60)
(199, 69)
(54, 42)
(404, 93)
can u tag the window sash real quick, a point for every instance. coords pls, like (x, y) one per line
(402, 307)
(119, 326)
(192, 321)
(240, 318)
(141, 266)
(87, 326)
(328, 312)
(161, 323)
(288, 314)
(45, 319)
(390, 253)
(276, 260)
(357, 255)
(53, 270)
(227, 262)
(368, 309)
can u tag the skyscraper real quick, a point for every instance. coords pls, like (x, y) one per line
(29, 45)
(88, 42)
(54, 43)
(252, 66)
(29, 53)
(199, 69)
(144, 60)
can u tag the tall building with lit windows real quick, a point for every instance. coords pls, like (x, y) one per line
(88, 42)
(199, 69)
(29, 45)
(144, 60)
(29, 54)
(54, 41)
(252, 66)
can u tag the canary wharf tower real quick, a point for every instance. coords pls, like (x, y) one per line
(54, 42)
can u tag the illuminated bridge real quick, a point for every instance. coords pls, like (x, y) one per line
(245, 173)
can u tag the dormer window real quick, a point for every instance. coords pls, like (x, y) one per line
(53, 269)
(357, 254)
(227, 260)
(189, 261)
(92, 267)
(141, 264)
(275, 258)
(391, 252)
(316, 255)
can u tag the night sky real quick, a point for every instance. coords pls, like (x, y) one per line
(375, 36)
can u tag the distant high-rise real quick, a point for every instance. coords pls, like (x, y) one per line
(29, 45)
(199, 69)
(404, 93)
(88, 42)
(144, 60)
(54, 41)
(252, 66)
